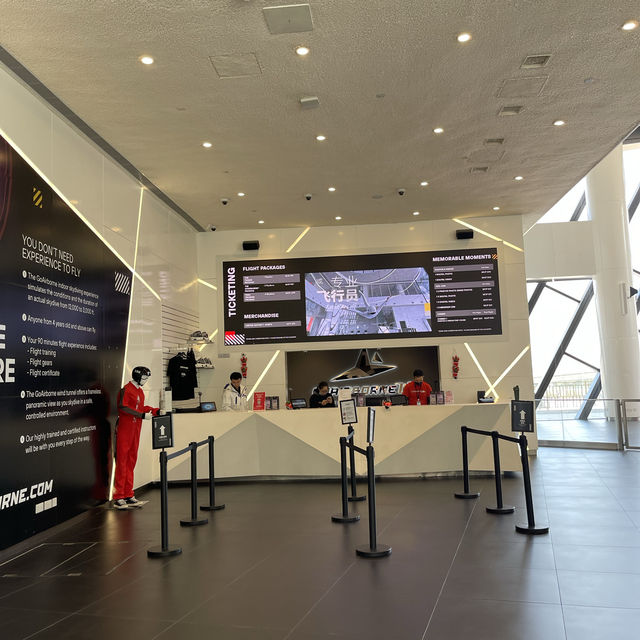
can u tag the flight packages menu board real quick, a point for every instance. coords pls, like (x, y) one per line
(426, 294)
(64, 306)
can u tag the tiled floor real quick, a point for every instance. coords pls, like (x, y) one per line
(272, 566)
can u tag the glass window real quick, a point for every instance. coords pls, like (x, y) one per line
(631, 162)
(564, 208)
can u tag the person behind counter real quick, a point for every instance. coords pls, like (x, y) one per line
(417, 391)
(234, 395)
(323, 398)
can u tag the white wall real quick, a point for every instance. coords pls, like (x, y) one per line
(495, 353)
(110, 199)
(560, 250)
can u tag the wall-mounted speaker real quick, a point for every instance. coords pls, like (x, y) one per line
(464, 234)
(251, 245)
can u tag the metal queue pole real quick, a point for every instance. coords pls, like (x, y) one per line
(212, 506)
(466, 494)
(375, 549)
(530, 528)
(354, 497)
(194, 521)
(500, 508)
(165, 549)
(344, 517)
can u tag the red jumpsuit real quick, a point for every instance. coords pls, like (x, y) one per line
(131, 409)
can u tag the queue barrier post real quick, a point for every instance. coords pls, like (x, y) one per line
(344, 517)
(354, 497)
(165, 549)
(500, 508)
(194, 521)
(530, 528)
(375, 549)
(212, 506)
(466, 494)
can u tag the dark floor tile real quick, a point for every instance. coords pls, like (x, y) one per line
(464, 619)
(377, 613)
(587, 517)
(20, 623)
(490, 553)
(83, 627)
(182, 631)
(592, 589)
(593, 623)
(499, 583)
(11, 584)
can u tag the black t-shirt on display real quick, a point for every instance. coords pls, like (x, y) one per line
(183, 377)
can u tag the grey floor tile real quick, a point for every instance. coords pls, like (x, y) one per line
(597, 559)
(594, 623)
(590, 589)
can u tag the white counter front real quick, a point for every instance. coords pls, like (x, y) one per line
(304, 443)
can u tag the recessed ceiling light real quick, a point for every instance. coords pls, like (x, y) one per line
(338, 217)
(424, 183)
(207, 145)
(464, 37)
(260, 221)
(241, 194)
(332, 189)
(416, 213)
(518, 178)
(438, 130)
(630, 25)
(496, 208)
(302, 50)
(559, 123)
(320, 138)
(146, 59)
(116, 229)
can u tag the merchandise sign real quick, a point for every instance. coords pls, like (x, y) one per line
(162, 432)
(348, 411)
(522, 415)
(64, 308)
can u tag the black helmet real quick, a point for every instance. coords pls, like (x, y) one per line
(138, 372)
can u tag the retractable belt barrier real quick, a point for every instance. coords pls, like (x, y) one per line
(165, 549)
(530, 527)
(374, 549)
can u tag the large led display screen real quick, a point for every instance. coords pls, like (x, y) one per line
(64, 306)
(426, 294)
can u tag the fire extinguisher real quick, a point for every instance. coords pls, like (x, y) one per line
(243, 365)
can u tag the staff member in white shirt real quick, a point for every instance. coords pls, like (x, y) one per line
(234, 394)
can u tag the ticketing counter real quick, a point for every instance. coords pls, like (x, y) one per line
(289, 444)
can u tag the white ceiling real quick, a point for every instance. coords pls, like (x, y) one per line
(264, 142)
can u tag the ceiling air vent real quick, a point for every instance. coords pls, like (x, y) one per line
(535, 62)
(478, 169)
(491, 141)
(510, 111)
(291, 18)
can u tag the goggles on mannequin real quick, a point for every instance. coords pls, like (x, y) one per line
(140, 375)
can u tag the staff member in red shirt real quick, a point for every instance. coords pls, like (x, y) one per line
(417, 391)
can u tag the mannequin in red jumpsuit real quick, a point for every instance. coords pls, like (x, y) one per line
(131, 413)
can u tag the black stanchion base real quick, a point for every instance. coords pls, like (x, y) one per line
(193, 523)
(357, 498)
(338, 517)
(380, 551)
(159, 552)
(501, 510)
(467, 496)
(215, 507)
(536, 530)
